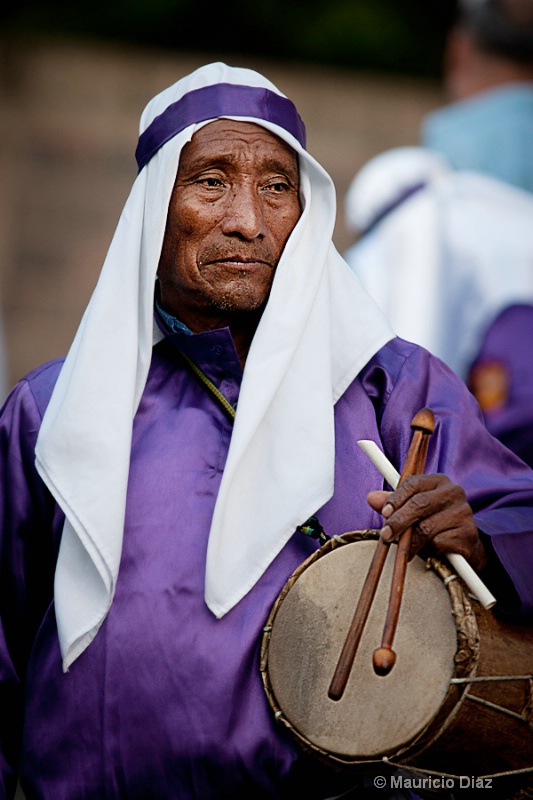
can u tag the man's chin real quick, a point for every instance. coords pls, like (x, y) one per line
(235, 303)
(240, 309)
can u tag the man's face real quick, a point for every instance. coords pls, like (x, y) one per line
(234, 203)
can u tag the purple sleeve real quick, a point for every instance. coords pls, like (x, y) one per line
(501, 379)
(27, 558)
(404, 378)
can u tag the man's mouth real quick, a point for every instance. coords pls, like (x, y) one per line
(239, 263)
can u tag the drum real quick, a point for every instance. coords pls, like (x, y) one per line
(459, 700)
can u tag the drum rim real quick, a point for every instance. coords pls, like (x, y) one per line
(465, 660)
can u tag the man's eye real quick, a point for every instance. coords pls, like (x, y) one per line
(211, 182)
(279, 186)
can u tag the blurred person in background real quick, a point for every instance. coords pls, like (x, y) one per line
(448, 256)
(488, 75)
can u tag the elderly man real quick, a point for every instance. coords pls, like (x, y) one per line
(154, 481)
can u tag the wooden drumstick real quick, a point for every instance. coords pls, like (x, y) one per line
(366, 598)
(384, 657)
(353, 637)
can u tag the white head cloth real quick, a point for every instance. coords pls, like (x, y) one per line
(444, 251)
(318, 330)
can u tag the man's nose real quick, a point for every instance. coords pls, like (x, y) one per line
(244, 214)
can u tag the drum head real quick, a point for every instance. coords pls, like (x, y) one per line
(377, 716)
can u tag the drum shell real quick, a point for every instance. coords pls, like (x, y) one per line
(464, 737)
(491, 731)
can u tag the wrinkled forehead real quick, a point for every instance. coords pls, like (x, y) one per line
(251, 103)
(228, 140)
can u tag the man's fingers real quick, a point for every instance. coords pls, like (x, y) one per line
(436, 509)
(416, 485)
(377, 500)
(446, 531)
(416, 498)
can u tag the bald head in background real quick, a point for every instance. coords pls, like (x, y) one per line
(488, 77)
(490, 45)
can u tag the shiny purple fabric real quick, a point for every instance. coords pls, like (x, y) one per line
(167, 702)
(508, 342)
(219, 100)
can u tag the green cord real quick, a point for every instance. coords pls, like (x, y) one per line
(226, 405)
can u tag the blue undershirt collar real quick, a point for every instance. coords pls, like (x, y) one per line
(171, 322)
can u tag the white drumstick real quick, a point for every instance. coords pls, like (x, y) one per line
(458, 562)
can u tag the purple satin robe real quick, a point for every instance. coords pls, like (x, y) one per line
(167, 701)
(506, 347)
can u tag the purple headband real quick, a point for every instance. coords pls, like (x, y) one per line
(218, 100)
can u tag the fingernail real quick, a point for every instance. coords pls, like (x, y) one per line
(386, 533)
(387, 510)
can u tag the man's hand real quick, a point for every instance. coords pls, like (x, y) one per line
(439, 513)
